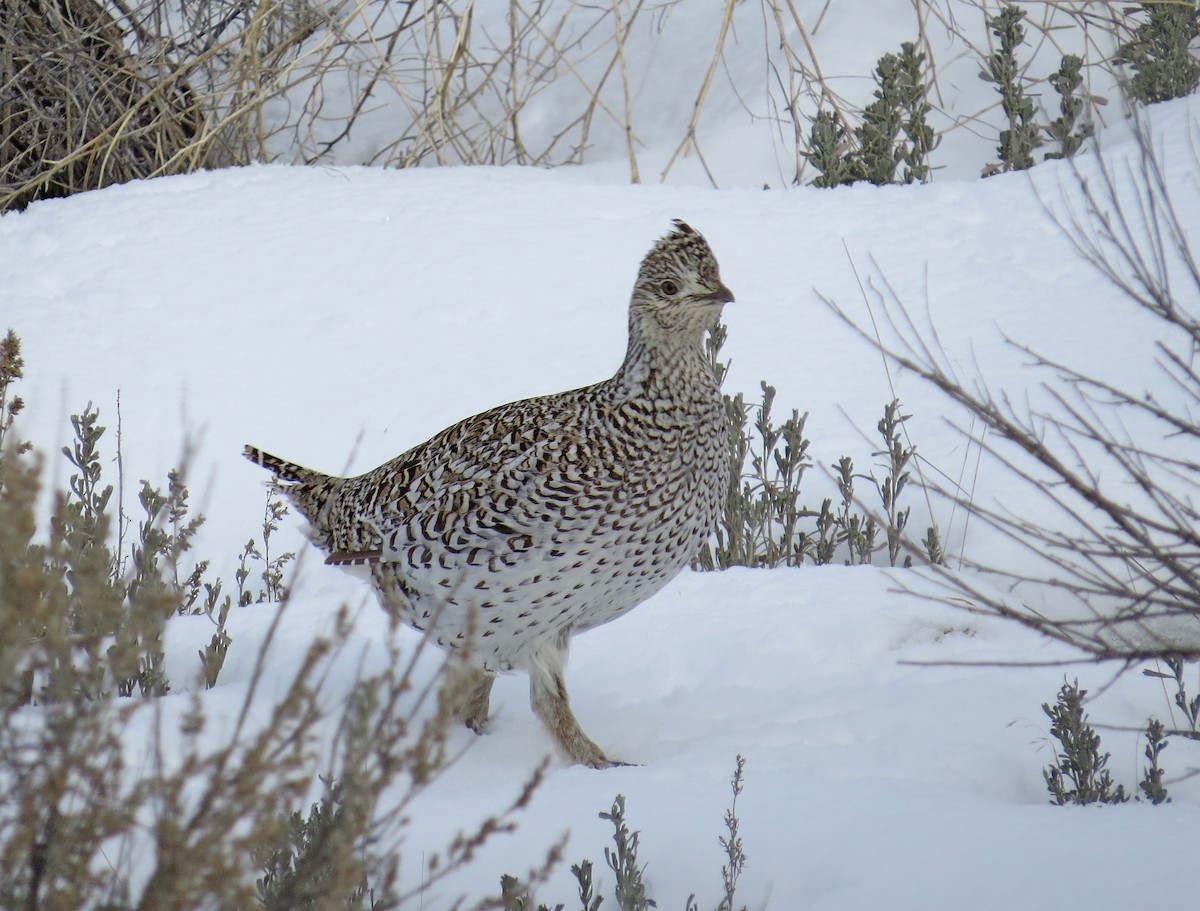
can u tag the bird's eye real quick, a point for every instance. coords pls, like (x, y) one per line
(669, 288)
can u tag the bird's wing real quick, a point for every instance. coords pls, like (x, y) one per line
(491, 492)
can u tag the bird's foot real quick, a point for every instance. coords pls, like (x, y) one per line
(606, 763)
(579, 749)
(549, 700)
(477, 724)
(471, 693)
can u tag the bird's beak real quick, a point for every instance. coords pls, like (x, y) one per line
(721, 296)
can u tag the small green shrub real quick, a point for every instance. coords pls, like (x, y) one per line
(1078, 774)
(731, 842)
(765, 524)
(317, 856)
(880, 128)
(935, 551)
(272, 573)
(1190, 706)
(1151, 784)
(96, 608)
(895, 477)
(893, 130)
(832, 151)
(629, 887)
(1159, 51)
(912, 93)
(1063, 129)
(84, 613)
(12, 367)
(760, 524)
(1022, 136)
(857, 530)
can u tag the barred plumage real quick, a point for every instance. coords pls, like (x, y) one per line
(524, 525)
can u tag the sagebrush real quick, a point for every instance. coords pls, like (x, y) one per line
(117, 790)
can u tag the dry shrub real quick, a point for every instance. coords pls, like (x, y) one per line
(192, 800)
(1107, 531)
(78, 109)
(94, 92)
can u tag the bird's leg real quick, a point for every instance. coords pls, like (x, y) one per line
(548, 697)
(477, 699)
(466, 694)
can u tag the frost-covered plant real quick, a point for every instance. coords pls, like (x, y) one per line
(1159, 51)
(1078, 774)
(1022, 136)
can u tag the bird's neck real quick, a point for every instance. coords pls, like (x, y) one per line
(664, 363)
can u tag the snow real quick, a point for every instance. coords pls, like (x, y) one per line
(338, 316)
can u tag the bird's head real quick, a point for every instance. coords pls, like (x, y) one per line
(679, 283)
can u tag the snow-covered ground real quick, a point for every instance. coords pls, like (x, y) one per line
(339, 316)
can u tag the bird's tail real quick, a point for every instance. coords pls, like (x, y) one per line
(284, 470)
(309, 490)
